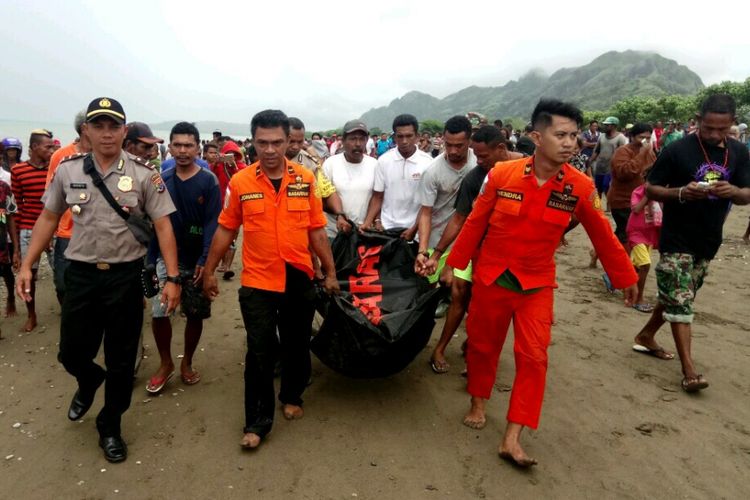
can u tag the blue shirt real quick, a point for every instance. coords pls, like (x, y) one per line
(384, 146)
(169, 164)
(198, 203)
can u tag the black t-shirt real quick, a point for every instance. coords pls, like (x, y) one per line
(469, 190)
(198, 204)
(695, 227)
(276, 183)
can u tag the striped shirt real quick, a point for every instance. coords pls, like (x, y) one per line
(27, 183)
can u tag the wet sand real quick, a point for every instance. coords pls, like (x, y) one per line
(615, 424)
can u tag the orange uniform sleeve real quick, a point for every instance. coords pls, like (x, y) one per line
(476, 225)
(613, 256)
(231, 215)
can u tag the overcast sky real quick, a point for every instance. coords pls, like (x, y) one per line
(326, 61)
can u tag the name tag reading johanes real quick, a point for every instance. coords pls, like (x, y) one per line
(562, 201)
(298, 190)
(251, 196)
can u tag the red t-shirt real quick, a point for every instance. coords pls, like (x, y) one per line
(27, 183)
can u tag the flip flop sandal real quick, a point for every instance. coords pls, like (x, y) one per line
(659, 353)
(156, 384)
(439, 367)
(644, 308)
(694, 384)
(192, 378)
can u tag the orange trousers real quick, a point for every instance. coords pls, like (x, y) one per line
(490, 312)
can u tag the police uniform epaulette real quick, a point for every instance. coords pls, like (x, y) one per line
(141, 161)
(73, 157)
(310, 157)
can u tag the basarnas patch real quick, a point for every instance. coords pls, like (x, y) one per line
(562, 201)
(298, 190)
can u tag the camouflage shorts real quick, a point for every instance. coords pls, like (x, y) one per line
(679, 277)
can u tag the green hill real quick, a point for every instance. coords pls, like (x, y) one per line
(597, 85)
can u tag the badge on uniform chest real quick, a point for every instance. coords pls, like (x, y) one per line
(298, 190)
(563, 200)
(125, 184)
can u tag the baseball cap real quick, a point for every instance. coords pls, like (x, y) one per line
(354, 125)
(105, 106)
(743, 127)
(139, 131)
(611, 120)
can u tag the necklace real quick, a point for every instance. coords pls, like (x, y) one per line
(705, 154)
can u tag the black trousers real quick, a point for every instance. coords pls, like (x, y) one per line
(262, 311)
(106, 305)
(621, 216)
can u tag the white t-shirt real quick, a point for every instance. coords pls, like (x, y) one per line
(439, 188)
(353, 183)
(369, 147)
(398, 179)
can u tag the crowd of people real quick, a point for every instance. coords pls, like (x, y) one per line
(122, 216)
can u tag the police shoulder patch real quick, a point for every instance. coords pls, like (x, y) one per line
(158, 183)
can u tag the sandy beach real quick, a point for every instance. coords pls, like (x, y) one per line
(615, 424)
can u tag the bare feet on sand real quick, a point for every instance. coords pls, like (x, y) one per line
(29, 325)
(510, 449)
(10, 310)
(476, 418)
(250, 441)
(293, 412)
(594, 258)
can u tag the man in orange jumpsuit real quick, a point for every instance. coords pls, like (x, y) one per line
(514, 228)
(274, 202)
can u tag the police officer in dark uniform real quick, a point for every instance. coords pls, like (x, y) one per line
(104, 297)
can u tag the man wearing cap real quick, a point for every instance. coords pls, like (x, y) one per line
(140, 141)
(353, 175)
(603, 152)
(103, 300)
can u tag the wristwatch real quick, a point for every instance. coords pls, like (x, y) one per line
(174, 279)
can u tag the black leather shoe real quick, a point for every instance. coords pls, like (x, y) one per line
(82, 402)
(114, 448)
(79, 405)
